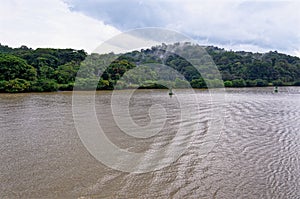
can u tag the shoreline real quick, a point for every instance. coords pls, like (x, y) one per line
(145, 89)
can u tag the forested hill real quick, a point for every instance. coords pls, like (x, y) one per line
(45, 69)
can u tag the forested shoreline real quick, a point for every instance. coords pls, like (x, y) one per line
(46, 69)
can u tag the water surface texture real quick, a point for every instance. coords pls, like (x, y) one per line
(256, 156)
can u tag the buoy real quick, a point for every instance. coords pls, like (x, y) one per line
(171, 92)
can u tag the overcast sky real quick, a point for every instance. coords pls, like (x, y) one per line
(83, 24)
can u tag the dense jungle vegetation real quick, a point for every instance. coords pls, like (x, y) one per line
(45, 69)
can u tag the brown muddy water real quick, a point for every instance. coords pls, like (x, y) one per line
(256, 155)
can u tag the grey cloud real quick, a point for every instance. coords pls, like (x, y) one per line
(123, 15)
(270, 25)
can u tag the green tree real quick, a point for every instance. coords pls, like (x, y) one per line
(66, 73)
(47, 72)
(12, 67)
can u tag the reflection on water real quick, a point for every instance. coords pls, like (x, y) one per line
(257, 155)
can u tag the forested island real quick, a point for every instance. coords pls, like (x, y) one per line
(46, 69)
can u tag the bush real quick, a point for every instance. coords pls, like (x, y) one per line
(2, 85)
(46, 85)
(16, 85)
(228, 83)
(120, 85)
(250, 83)
(66, 87)
(238, 83)
(104, 84)
(86, 83)
(261, 83)
(277, 83)
(214, 83)
(151, 86)
(296, 83)
(179, 83)
(198, 83)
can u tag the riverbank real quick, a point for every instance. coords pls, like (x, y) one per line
(271, 88)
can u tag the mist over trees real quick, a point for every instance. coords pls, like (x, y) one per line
(45, 69)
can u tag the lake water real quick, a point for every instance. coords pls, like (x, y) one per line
(255, 156)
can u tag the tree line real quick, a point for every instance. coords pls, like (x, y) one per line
(46, 69)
